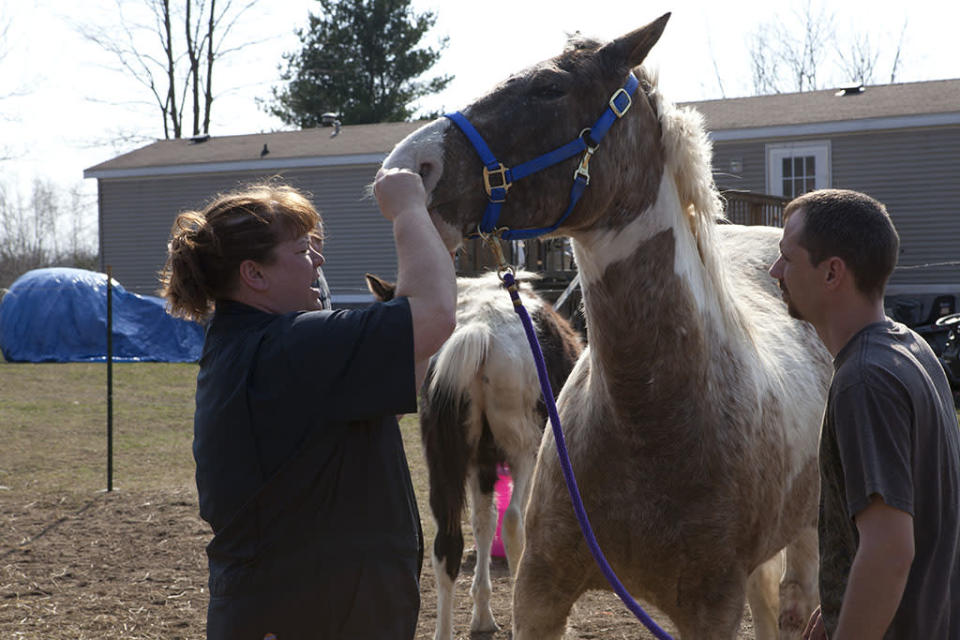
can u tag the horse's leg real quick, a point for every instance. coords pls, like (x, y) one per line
(555, 566)
(443, 426)
(541, 602)
(521, 468)
(798, 590)
(763, 597)
(447, 553)
(484, 521)
(710, 602)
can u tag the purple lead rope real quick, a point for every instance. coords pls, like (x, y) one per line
(510, 283)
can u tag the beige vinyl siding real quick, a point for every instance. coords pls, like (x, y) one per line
(137, 214)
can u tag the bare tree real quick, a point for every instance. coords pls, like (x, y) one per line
(804, 59)
(51, 227)
(764, 63)
(897, 57)
(716, 67)
(794, 53)
(8, 90)
(172, 71)
(860, 59)
(794, 47)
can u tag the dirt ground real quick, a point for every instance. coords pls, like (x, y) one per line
(131, 564)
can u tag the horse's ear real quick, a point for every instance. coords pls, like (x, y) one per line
(380, 288)
(634, 47)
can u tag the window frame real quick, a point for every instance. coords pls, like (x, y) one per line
(775, 154)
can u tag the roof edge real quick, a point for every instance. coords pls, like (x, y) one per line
(246, 165)
(837, 126)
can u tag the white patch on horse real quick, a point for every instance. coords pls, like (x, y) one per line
(422, 152)
(596, 250)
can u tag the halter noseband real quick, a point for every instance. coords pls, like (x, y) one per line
(497, 178)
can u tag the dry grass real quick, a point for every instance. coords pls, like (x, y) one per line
(54, 423)
(76, 562)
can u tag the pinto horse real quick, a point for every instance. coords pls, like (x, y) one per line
(692, 417)
(480, 406)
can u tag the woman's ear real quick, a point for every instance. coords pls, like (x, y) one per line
(251, 275)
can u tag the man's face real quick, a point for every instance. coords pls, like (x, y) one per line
(799, 280)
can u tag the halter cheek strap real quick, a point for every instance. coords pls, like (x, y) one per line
(498, 178)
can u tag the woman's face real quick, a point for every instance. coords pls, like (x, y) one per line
(292, 274)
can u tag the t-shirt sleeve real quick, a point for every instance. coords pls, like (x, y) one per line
(358, 362)
(873, 426)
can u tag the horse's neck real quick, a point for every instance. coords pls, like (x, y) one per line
(655, 313)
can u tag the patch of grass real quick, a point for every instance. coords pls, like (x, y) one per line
(53, 421)
(53, 426)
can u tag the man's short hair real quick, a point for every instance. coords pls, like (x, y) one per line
(853, 227)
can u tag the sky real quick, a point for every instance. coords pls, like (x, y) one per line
(63, 106)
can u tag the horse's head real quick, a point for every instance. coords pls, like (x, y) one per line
(534, 112)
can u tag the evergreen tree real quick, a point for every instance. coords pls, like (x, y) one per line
(359, 61)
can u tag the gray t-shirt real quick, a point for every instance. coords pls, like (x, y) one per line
(890, 429)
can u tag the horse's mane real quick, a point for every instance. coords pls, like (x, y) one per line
(688, 155)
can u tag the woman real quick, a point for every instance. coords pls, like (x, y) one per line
(300, 465)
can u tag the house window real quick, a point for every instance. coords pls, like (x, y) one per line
(796, 168)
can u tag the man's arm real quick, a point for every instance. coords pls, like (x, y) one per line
(879, 572)
(425, 271)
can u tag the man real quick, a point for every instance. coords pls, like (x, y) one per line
(890, 444)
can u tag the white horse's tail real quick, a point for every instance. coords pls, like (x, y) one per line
(459, 360)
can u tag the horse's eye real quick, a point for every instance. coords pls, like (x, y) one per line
(551, 91)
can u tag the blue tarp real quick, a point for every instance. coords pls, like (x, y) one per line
(60, 315)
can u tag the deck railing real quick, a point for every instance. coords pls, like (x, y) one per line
(743, 207)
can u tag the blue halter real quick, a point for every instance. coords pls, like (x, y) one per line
(497, 178)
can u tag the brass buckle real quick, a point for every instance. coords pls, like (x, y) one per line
(501, 171)
(613, 102)
(493, 240)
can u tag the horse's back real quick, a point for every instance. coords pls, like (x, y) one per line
(748, 252)
(797, 367)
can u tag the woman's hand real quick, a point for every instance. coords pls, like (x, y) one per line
(397, 191)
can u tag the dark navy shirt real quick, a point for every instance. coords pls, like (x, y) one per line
(301, 471)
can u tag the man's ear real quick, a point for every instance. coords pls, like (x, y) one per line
(252, 275)
(835, 272)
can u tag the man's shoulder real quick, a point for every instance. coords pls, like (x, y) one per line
(874, 357)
